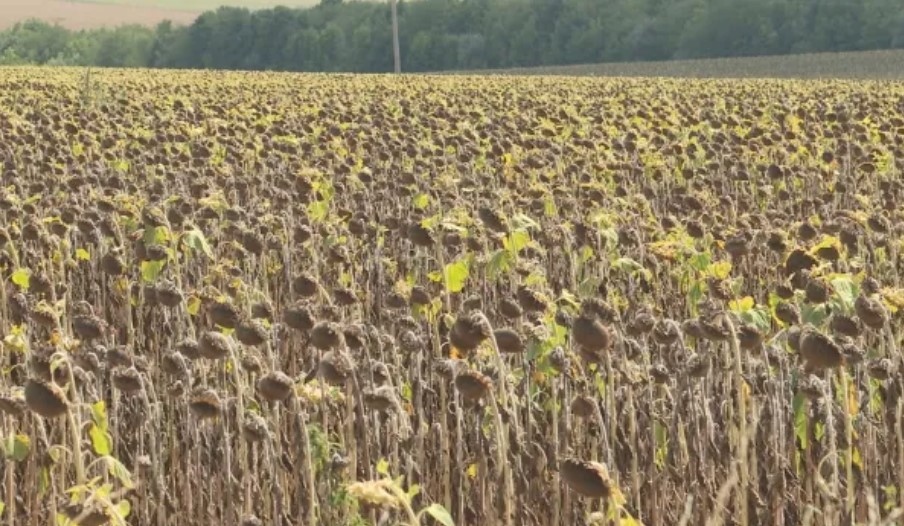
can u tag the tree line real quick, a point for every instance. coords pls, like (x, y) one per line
(435, 35)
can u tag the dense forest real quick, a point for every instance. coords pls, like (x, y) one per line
(438, 35)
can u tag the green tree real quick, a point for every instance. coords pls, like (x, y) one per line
(467, 34)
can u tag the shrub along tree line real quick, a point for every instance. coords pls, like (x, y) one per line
(469, 34)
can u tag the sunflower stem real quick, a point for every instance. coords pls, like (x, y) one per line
(75, 426)
(400, 495)
(740, 388)
(501, 431)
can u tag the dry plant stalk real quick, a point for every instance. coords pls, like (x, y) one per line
(476, 279)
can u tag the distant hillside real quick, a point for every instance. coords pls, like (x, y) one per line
(207, 5)
(886, 64)
(75, 14)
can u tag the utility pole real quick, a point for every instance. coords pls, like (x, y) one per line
(396, 54)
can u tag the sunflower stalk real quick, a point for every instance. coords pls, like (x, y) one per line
(501, 431)
(741, 401)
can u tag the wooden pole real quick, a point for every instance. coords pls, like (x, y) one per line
(396, 54)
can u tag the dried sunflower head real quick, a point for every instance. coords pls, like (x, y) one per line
(819, 351)
(509, 341)
(189, 348)
(168, 294)
(335, 367)
(817, 291)
(845, 325)
(252, 332)
(205, 404)
(749, 337)
(642, 323)
(326, 335)
(583, 406)
(275, 386)
(127, 380)
(255, 428)
(85, 324)
(698, 365)
(46, 399)
(473, 385)
(787, 313)
(531, 300)
(871, 311)
(174, 364)
(590, 333)
(299, 317)
(468, 331)
(224, 314)
(666, 332)
(510, 309)
(381, 399)
(589, 479)
(881, 368)
(13, 402)
(811, 386)
(660, 373)
(214, 345)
